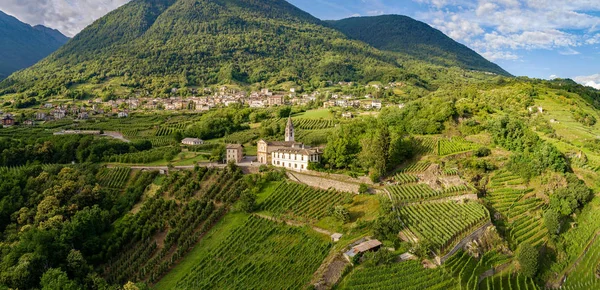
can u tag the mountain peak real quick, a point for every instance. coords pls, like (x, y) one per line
(399, 33)
(22, 45)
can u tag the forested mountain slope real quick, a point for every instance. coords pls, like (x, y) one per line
(22, 45)
(167, 43)
(403, 34)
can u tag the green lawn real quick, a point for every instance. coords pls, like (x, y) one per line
(266, 192)
(314, 114)
(211, 241)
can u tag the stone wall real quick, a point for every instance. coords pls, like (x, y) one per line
(323, 183)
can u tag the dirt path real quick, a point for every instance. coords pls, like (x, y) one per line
(294, 223)
(116, 135)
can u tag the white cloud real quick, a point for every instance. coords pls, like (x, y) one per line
(498, 55)
(69, 17)
(498, 28)
(551, 77)
(590, 81)
(569, 51)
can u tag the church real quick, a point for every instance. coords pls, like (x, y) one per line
(289, 153)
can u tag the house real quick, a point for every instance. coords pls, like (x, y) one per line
(192, 141)
(295, 158)
(347, 115)
(371, 245)
(28, 123)
(8, 120)
(59, 114)
(276, 100)
(83, 116)
(257, 104)
(123, 114)
(48, 106)
(40, 116)
(376, 104)
(235, 153)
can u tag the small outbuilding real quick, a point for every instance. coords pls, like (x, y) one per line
(192, 141)
(336, 237)
(371, 245)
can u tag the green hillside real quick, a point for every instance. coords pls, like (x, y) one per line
(158, 45)
(22, 45)
(417, 39)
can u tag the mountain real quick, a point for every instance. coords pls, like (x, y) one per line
(22, 45)
(158, 45)
(403, 34)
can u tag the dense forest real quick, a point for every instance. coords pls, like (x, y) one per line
(414, 38)
(159, 45)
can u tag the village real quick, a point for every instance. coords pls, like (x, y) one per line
(224, 97)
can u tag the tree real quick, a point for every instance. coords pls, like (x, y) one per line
(528, 256)
(248, 201)
(341, 213)
(55, 279)
(178, 136)
(285, 112)
(552, 221)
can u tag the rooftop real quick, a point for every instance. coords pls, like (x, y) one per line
(234, 146)
(368, 245)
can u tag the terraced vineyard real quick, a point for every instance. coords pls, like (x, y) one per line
(454, 145)
(403, 178)
(403, 275)
(313, 124)
(425, 145)
(467, 269)
(443, 224)
(505, 178)
(583, 276)
(242, 137)
(114, 178)
(416, 167)
(522, 213)
(508, 281)
(197, 200)
(296, 200)
(420, 192)
(260, 254)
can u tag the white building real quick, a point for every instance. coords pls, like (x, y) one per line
(295, 158)
(192, 141)
(376, 104)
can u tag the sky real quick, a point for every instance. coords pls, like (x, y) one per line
(535, 38)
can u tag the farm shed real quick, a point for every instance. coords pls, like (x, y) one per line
(371, 245)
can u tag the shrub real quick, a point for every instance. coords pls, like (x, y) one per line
(483, 152)
(528, 256)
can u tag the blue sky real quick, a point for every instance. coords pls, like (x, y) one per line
(535, 38)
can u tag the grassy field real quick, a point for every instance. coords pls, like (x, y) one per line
(314, 114)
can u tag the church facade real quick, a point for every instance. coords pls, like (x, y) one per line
(289, 153)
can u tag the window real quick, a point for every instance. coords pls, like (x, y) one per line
(302, 166)
(295, 165)
(283, 164)
(295, 156)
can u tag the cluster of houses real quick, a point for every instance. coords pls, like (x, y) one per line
(50, 112)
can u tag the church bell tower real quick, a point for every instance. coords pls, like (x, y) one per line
(290, 135)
